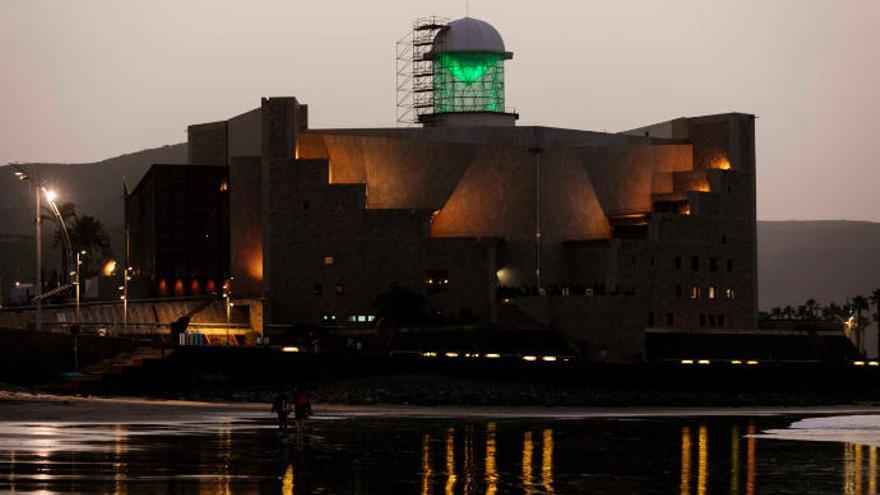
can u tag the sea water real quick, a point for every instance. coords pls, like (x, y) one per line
(217, 454)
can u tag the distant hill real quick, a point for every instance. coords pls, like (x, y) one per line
(823, 260)
(797, 260)
(95, 188)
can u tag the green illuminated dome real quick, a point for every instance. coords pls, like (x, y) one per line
(468, 57)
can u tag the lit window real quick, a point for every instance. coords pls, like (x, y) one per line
(224, 186)
(328, 260)
(711, 292)
(371, 317)
(340, 288)
(362, 318)
(728, 293)
(695, 292)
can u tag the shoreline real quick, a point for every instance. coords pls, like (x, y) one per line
(28, 407)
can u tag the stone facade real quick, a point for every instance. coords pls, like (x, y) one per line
(598, 235)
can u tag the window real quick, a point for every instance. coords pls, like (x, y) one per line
(329, 260)
(317, 289)
(721, 320)
(669, 319)
(730, 265)
(695, 263)
(713, 264)
(677, 291)
(695, 292)
(651, 319)
(711, 320)
(436, 281)
(711, 292)
(305, 205)
(728, 293)
(340, 288)
(702, 320)
(678, 262)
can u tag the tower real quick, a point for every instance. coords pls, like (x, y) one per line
(454, 75)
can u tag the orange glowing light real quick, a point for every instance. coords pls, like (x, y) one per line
(109, 268)
(178, 287)
(163, 288)
(721, 163)
(195, 288)
(701, 185)
(255, 267)
(210, 286)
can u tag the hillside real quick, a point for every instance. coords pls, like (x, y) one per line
(96, 189)
(825, 260)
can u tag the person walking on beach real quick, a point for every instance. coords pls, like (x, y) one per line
(302, 407)
(281, 407)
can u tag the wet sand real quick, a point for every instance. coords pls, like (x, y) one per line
(23, 406)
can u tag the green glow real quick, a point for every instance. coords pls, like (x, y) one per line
(469, 67)
(469, 82)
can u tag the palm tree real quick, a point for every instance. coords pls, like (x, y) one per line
(812, 307)
(88, 234)
(776, 313)
(788, 312)
(859, 304)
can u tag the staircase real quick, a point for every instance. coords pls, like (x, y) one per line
(104, 375)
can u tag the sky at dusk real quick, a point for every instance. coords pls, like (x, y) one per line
(87, 80)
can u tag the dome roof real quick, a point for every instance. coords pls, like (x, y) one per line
(468, 35)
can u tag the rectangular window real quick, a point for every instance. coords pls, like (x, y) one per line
(713, 264)
(695, 263)
(436, 281)
(728, 293)
(669, 319)
(678, 262)
(730, 265)
(677, 291)
(328, 260)
(695, 292)
(340, 288)
(711, 320)
(702, 320)
(711, 292)
(721, 321)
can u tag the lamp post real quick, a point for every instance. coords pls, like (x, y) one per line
(78, 268)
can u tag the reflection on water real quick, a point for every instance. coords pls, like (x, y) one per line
(431, 456)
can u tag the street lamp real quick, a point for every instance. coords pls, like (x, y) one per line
(39, 191)
(78, 268)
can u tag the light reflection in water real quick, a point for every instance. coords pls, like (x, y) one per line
(702, 460)
(287, 481)
(468, 459)
(427, 472)
(451, 478)
(528, 448)
(872, 470)
(750, 459)
(685, 483)
(734, 460)
(547, 461)
(120, 437)
(491, 469)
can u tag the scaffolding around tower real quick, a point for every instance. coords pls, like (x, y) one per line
(415, 71)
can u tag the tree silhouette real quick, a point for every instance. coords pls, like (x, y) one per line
(67, 211)
(88, 234)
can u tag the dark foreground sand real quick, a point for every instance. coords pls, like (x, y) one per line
(24, 406)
